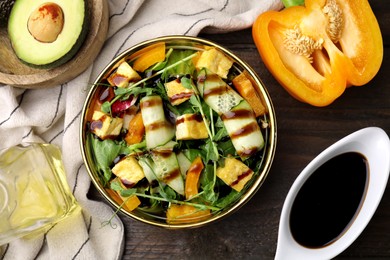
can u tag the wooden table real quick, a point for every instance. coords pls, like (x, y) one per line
(303, 132)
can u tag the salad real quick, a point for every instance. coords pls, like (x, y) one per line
(176, 132)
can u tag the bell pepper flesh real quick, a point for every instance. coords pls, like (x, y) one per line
(315, 56)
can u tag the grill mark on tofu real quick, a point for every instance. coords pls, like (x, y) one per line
(241, 177)
(195, 117)
(180, 96)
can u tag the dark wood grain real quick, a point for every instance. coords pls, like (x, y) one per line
(303, 132)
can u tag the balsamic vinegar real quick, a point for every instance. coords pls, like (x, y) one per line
(328, 201)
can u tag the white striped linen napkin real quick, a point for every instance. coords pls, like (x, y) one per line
(53, 115)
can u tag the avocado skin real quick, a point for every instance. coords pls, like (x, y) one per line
(75, 48)
(5, 10)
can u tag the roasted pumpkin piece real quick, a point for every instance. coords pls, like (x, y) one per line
(245, 87)
(182, 214)
(129, 203)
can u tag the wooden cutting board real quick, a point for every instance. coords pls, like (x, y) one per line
(13, 72)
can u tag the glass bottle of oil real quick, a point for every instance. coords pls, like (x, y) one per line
(34, 193)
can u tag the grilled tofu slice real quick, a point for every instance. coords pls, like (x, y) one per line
(190, 126)
(105, 126)
(234, 173)
(128, 171)
(215, 61)
(177, 93)
(123, 75)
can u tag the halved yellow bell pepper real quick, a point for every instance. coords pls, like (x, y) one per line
(317, 50)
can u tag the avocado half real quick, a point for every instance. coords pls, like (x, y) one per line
(47, 33)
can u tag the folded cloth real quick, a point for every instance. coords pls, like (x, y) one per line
(53, 116)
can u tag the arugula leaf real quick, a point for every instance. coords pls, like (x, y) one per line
(191, 154)
(105, 152)
(196, 103)
(229, 199)
(128, 192)
(186, 82)
(106, 107)
(210, 147)
(227, 147)
(125, 93)
(138, 147)
(207, 183)
(115, 185)
(183, 68)
(160, 90)
(221, 133)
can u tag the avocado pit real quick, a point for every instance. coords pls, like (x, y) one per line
(46, 22)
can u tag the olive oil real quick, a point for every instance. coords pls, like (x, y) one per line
(34, 193)
(328, 201)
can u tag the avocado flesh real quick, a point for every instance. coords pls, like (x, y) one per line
(48, 55)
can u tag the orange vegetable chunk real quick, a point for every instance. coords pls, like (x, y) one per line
(192, 178)
(181, 214)
(246, 89)
(149, 56)
(131, 203)
(136, 131)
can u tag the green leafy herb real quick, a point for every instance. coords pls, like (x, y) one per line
(229, 199)
(289, 3)
(184, 66)
(105, 152)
